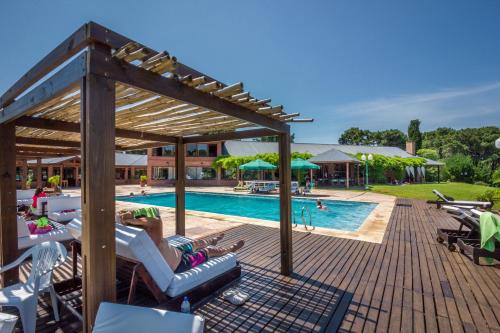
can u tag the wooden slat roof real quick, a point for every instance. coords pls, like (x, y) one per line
(144, 111)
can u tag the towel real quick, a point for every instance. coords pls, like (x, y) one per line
(490, 231)
(146, 212)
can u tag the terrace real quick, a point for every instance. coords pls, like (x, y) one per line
(409, 282)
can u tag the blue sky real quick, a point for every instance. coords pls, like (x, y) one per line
(371, 64)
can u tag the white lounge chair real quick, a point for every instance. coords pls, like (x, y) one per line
(131, 319)
(42, 203)
(24, 197)
(24, 296)
(461, 203)
(25, 239)
(136, 245)
(58, 208)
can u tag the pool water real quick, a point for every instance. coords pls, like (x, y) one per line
(342, 215)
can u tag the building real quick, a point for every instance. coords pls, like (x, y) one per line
(338, 166)
(129, 168)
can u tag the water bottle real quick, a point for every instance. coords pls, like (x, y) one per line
(185, 306)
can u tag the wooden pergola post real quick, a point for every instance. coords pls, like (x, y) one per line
(180, 188)
(24, 174)
(347, 167)
(285, 204)
(8, 218)
(98, 194)
(38, 172)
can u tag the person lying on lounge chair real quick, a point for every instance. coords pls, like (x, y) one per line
(183, 257)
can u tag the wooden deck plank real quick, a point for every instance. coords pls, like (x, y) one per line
(409, 282)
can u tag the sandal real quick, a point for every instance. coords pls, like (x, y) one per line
(235, 296)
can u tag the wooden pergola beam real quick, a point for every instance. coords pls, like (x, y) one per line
(68, 48)
(41, 150)
(255, 133)
(52, 143)
(65, 126)
(59, 83)
(140, 78)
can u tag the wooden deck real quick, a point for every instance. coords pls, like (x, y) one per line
(407, 283)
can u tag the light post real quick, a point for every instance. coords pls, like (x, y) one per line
(366, 159)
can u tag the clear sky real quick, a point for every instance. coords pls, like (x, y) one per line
(370, 64)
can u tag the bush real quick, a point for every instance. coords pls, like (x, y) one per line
(490, 195)
(495, 177)
(144, 179)
(55, 180)
(482, 173)
(460, 168)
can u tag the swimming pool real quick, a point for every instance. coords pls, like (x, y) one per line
(342, 215)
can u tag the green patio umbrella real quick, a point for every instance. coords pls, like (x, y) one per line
(300, 164)
(257, 165)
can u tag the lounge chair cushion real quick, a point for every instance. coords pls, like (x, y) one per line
(59, 234)
(134, 243)
(64, 216)
(60, 203)
(194, 277)
(127, 318)
(22, 228)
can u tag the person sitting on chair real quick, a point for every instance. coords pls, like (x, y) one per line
(183, 257)
(39, 193)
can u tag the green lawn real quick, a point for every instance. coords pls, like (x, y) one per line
(459, 191)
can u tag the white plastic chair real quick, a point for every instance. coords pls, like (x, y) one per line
(24, 296)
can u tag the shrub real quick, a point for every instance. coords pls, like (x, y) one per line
(495, 177)
(460, 168)
(55, 180)
(490, 195)
(144, 179)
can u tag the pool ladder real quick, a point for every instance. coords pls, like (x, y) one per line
(303, 212)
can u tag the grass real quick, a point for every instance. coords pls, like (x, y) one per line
(459, 191)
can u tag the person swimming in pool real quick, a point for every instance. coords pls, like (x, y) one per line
(320, 206)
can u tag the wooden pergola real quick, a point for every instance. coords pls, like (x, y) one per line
(111, 93)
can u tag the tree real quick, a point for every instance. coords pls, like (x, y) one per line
(460, 168)
(391, 138)
(428, 153)
(355, 136)
(414, 133)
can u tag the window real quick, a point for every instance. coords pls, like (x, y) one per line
(168, 150)
(212, 150)
(201, 150)
(163, 173)
(201, 173)
(192, 149)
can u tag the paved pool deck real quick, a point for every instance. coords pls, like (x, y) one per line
(200, 224)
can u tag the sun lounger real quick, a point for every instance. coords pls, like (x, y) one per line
(471, 247)
(25, 239)
(135, 247)
(131, 319)
(24, 197)
(465, 218)
(63, 209)
(462, 204)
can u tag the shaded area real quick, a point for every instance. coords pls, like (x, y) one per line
(407, 283)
